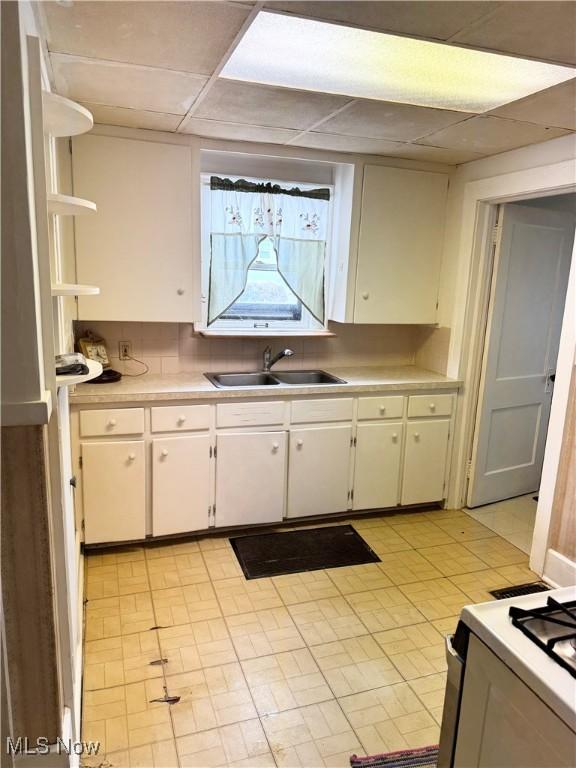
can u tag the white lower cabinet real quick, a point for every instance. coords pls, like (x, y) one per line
(319, 468)
(114, 491)
(377, 465)
(250, 478)
(425, 461)
(180, 484)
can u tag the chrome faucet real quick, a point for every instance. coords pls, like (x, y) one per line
(269, 361)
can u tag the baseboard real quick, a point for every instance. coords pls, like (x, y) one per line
(559, 570)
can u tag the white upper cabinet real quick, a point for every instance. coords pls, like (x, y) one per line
(139, 247)
(400, 245)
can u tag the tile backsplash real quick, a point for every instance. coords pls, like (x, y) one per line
(175, 348)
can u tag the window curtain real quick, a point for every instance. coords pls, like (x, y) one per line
(242, 213)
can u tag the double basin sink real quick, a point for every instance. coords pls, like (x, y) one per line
(266, 379)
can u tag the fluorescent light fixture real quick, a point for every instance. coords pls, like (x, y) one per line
(317, 56)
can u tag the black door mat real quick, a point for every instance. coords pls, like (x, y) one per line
(518, 591)
(308, 549)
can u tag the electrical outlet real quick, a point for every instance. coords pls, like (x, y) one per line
(125, 350)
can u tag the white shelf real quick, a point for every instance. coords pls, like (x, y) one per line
(63, 117)
(66, 205)
(94, 370)
(73, 289)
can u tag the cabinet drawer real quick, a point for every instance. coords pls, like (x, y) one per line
(249, 414)
(380, 407)
(116, 421)
(429, 405)
(180, 418)
(310, 411)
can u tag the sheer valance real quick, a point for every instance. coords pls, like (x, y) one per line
(242, 213)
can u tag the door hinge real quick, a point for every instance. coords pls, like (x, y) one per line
(352, 495)
(70, 146)
(468, 469)
(214, 452)
(80, 462)
(211, 451)
(352, 442)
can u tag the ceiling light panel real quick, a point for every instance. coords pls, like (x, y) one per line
(316, 56)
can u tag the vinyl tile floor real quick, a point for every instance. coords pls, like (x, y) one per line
(512, 519)
(298, 670)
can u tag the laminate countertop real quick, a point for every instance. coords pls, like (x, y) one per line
(194, 386)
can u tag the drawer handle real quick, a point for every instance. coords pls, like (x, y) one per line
(365, 295)
(394, 436)
(181, 419)
(432, 406)
(131, 457)
(382, 409)
(275, 447)
(180, 291)
(164, 452)
(299, 443)
(111, 422)
(416, 435)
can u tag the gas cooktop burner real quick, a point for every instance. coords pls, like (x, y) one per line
(553, 628)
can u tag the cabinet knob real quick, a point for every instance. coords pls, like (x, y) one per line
(394, 436)
(180, 291)
(416, 435)
(111, 422)
(299, 443)
(365, 295)
(164, 452)
(131, 457)
(275, 447)
(432, 406)
(382, 409)
(181, 419)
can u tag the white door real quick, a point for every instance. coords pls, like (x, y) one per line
(400, 245)
(114, 491)
(319, 469)
(425, 461)
(377, 465)
(531, 270)
(250, 478)
(180, 484)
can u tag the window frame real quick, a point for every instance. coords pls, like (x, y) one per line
(308, 325)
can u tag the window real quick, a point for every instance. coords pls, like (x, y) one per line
(266, 296)
(264, 256)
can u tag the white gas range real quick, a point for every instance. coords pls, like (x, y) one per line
(511, 691)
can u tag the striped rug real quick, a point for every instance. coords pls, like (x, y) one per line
(425, 757)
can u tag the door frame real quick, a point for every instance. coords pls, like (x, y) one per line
(481, 200)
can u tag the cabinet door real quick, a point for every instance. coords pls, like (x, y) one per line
(377, 465)
(180, 484)
(114, 491)
(425, 461)
(319, 467)
(250, 478)
(400, 245)
(138, 247)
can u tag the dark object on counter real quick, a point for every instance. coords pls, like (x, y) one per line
(310, 549)
(73, 364)
(108, 376)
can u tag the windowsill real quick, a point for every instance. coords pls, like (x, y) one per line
(258, 334)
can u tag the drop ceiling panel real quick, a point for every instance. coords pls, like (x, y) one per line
(555, 106)
(385, 120)
(186, 36)
(133, 118)
(339, 143)
(543, 30)
(490, 135)
(439, 20)
(125, 85)
(438, 154)
(221, 130)
(232, 101)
